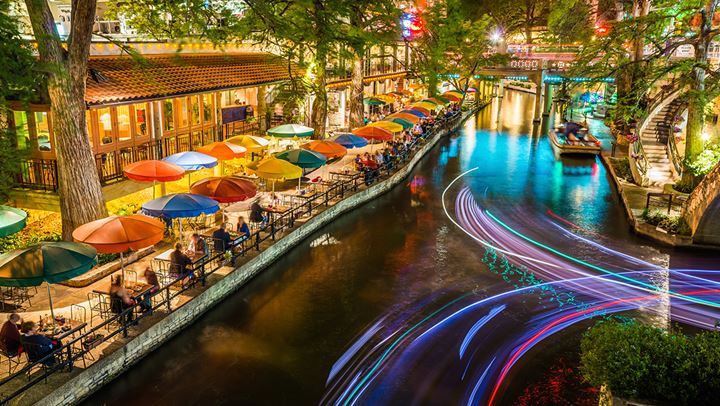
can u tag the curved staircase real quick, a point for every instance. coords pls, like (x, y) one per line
(654, 138)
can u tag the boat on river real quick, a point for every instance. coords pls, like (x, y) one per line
(588, 146)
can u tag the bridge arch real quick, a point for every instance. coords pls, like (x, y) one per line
(702, 210)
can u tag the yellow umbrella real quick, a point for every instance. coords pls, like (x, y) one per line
(250, 142)
(453, 93)
(386, 98)
(387, 125)
(272, 168)
(426, 105)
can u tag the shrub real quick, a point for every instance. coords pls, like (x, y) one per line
(49, 228)
(705, 161)
(622, 169)
(684, 187)
(671, 224)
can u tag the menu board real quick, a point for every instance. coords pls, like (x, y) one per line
(232, 114)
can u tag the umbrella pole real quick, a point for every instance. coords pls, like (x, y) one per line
(154, 188)
(52, 312)
(122, 268)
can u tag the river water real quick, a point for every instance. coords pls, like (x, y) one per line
(401, 301)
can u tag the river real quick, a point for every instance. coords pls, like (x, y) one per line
(401, 301)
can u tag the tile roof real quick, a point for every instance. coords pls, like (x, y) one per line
(118, 79)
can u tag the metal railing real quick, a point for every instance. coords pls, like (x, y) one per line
(110, 164)
(40, 174)
(675, 156)
(78, 348)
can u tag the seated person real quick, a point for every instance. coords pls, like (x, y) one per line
(152, 280)
(243, 229)
(196, 246)
(256, 213)
(180, 263)
(36, 345)
(10, 335)
(572, 139)
(221, 239)
(572, 128)
(120, 299)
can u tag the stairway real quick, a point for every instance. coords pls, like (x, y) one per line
(654, 141)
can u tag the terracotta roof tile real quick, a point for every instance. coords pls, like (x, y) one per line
(119, 79)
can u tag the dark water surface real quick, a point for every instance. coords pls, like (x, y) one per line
(276, 340)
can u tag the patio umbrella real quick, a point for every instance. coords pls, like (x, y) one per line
(179, 206)
(425, 105)
(250, 142)
(417, 113)
(404, 123)
(290, 131)
(191, 160)
(118, 234)
(373, 101)
(431, 101)
(422, 110)
(397, 94)
(471, 90)
(12, 220)
(330, 149)
(50, 262)
(373, 133)
(405, 92)
(227, 189)
(223, 151)
(303, 158)
(387, 125)
(386, 98)
(439, 100)
(276, 169)
(154, 171)
(349, 140)
(453, 95)
(405, 116)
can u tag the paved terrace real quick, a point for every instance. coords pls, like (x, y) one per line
(29, 383)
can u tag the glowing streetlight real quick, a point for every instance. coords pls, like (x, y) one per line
(496, 36)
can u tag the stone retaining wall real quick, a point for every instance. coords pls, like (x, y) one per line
(112, 365)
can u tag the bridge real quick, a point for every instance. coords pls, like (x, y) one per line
(702, 210)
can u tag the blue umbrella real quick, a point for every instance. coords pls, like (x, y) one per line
(348, 140)
(414, 112)
(180, 205)
(191, 160)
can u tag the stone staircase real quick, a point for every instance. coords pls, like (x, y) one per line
(654, 141)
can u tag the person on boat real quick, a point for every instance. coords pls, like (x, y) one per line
(572, 128)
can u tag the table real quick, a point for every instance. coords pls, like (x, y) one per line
(343, 175)
(165, 256)
(235, 238)
(75, 326)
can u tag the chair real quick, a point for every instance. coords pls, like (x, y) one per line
(130, 278)
(99, 306)
(14, 360)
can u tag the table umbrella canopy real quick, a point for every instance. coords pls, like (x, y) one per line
(373, 133)
(250, 142)
(404, 123)
(425, 105)
(180, 205)
(12, 220)
(405, 116)
(330, 149)
(154, 170)
(416, 113)
(439, 100)
(387, 125)
(228, 189)
(275, 169)
(291, 130)
(397, 94)
(472, 90)
(453, 95)
(223, 151)
(422, 110)
(117, 234)
(50, 262)
(431, 101)
(349, 140)
(386, 98)
(191, 160)
(303, 158)
(373, 101)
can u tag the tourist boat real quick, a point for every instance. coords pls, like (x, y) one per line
(561, 147)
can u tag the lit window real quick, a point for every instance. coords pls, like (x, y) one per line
(105, 126)
(123, 120)
(195, 109)
(168, 115)
(43, 131)
(21, 129)
(183, 112)
(207, 108)
(141, 120)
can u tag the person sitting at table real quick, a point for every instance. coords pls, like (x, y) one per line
(10, 336)
(152, 280)
(180, 263)
(256, 213)
(196, 248)
(243, 229)
(37, 346)
(120, 299)
(221, 239)
(358, 163)
(379, 158)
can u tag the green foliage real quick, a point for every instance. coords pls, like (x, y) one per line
(622, 169)
(570, 21)
(513, 17)
(671, 224)
(705, 161)
(684, 187)
(46, 229)
(638, 361)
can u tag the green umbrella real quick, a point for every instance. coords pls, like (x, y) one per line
(291, 130)
(12, 220)
(429, 101)
(406, 124)
(303, 158)
(373, 101)
(50, 262)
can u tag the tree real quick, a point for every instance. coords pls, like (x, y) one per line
(514, 17)
(570, 21)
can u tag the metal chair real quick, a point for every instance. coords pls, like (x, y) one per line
(99, 305)
(14, 360)
(130, 278)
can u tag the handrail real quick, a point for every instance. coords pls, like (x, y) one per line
(675, 157)
(75, 350)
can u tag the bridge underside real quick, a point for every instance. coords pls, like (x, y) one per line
(708, 231)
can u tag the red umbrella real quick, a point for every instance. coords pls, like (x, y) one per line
(422, 110)
(330, 149)
(227, 189)
(154, 170)
(373, 133)
(223, 151)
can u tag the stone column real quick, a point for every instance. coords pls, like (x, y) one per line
(538, 97)
(261, 110)
(547, 105)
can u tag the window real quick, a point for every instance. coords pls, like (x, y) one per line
(21, 129)
(168, 122)
(183, 112)
(141, 120)
(207, 108)
(105, 126)
(89, 126)
(123, 121)
(195, 109)
(43, 130)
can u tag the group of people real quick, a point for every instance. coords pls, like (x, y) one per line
(18, 336)
(576, 134)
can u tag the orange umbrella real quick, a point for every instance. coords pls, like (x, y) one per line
(154, 170)
(330, 149)
(223, 151)
(405, 116)
(227, 189)
(373, 133)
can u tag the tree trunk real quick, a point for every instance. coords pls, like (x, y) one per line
(262, 118)
(318, 116)
(528, 33)
(432, 84)
(357, 88)
(81, 198)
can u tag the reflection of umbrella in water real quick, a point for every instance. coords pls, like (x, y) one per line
(119, 234)
(49, 262)
(12, 220)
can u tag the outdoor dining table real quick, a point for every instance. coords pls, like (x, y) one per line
(59, 330)
(235, 238)
(165, 256)
(135, 290)
(307, 196)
